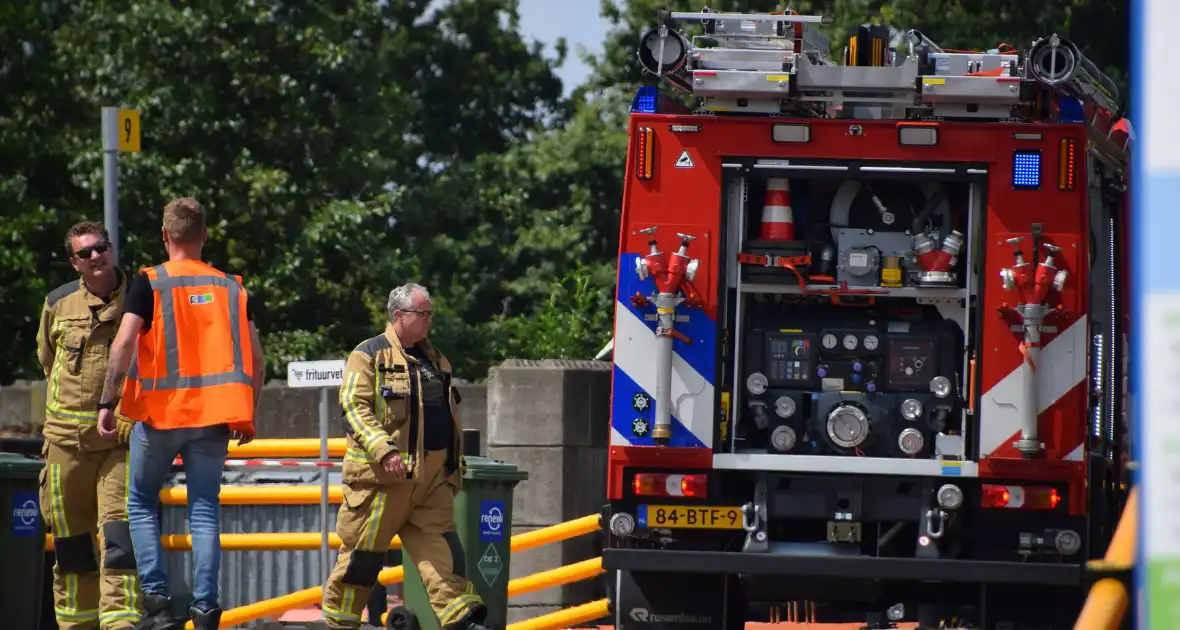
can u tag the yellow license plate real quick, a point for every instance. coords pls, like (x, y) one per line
(690, 517)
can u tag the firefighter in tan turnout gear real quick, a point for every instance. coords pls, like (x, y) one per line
(84, 481)
(402, 469)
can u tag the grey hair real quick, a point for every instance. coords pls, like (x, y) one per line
(403, 298)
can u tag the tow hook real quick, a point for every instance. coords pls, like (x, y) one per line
(754, 521)
(935, 523)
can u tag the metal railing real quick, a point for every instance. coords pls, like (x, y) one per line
(1107, 604)
(393, 575)
(323, 494)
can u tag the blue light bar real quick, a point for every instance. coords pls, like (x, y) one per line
(1026, 169)
(646, 100)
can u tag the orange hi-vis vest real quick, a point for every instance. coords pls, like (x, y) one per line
(194, 367)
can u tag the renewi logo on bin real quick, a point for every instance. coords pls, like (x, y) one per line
(491, 520)
(25, 512)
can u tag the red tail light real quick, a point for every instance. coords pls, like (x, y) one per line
(645, 156)
(1020, 497)
(666, 485)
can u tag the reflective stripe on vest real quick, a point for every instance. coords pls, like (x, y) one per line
(162, 285)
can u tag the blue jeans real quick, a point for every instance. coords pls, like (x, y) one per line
(152, 453)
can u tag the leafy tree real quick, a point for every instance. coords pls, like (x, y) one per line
(290, 121)
(517, 224)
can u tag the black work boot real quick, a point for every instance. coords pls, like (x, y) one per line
(157, 614)
(474, 619)
(203, 620)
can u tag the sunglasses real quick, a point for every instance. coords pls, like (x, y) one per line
(98, 248)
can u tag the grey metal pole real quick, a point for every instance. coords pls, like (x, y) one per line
(110, 177)
(324, 561)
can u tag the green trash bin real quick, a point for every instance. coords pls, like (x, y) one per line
(483, 520)
(22, 541)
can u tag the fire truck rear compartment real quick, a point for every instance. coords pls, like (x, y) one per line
(908, 391)
(861, 352)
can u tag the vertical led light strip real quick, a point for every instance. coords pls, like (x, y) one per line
(1156, 310)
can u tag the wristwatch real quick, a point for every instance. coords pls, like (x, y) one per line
(106, 405)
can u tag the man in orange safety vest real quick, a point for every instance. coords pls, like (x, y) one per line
(189, 354)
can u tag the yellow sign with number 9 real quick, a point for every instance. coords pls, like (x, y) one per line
(127, 130)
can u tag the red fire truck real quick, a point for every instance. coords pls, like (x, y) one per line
(871, 330)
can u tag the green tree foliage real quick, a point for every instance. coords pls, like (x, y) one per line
(345, 147)
(289, 120)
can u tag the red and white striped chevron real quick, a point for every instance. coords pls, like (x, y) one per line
(1061, 391)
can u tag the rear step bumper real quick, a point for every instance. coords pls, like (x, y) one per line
(904, 569)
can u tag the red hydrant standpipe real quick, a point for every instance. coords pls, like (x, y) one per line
(1032, 289)
(671, 277)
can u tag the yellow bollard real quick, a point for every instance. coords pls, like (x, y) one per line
(1107, 602)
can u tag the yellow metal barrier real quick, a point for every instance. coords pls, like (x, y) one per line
(570, 573)
(575, 572)
(286, 541)
(565, 618)
(259, 495)
(295, 447)
(312, 596)
(1107, 603)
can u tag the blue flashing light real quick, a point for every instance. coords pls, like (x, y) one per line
(646, 100)
(1026, 169)
(1069, 110)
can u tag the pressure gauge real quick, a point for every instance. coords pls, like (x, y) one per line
(871, 342)
(911, 409)
(940, 386)
(850, 342)
(848, 426)
(829, 341)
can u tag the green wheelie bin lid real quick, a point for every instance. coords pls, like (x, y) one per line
(485, 469)
(14, 466)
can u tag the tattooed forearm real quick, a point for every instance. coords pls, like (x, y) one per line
(113, 386)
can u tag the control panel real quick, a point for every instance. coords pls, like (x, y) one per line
(897, 356)
(869, 383)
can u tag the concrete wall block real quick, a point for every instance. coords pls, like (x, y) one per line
(22, 408)
(537, 501)
(564, 483)
(284, 412)
(550, 402)
(294, 412)
(584, 476)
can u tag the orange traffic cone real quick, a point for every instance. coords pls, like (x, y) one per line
(778, 222)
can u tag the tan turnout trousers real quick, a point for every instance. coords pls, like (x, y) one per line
(420, 511)
(84, 504)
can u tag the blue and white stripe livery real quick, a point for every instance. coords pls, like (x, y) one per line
(693, 368)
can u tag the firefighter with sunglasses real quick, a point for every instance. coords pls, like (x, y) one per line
(84, 481)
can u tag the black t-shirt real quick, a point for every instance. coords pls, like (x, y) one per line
(141, 300)
(440, 431)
